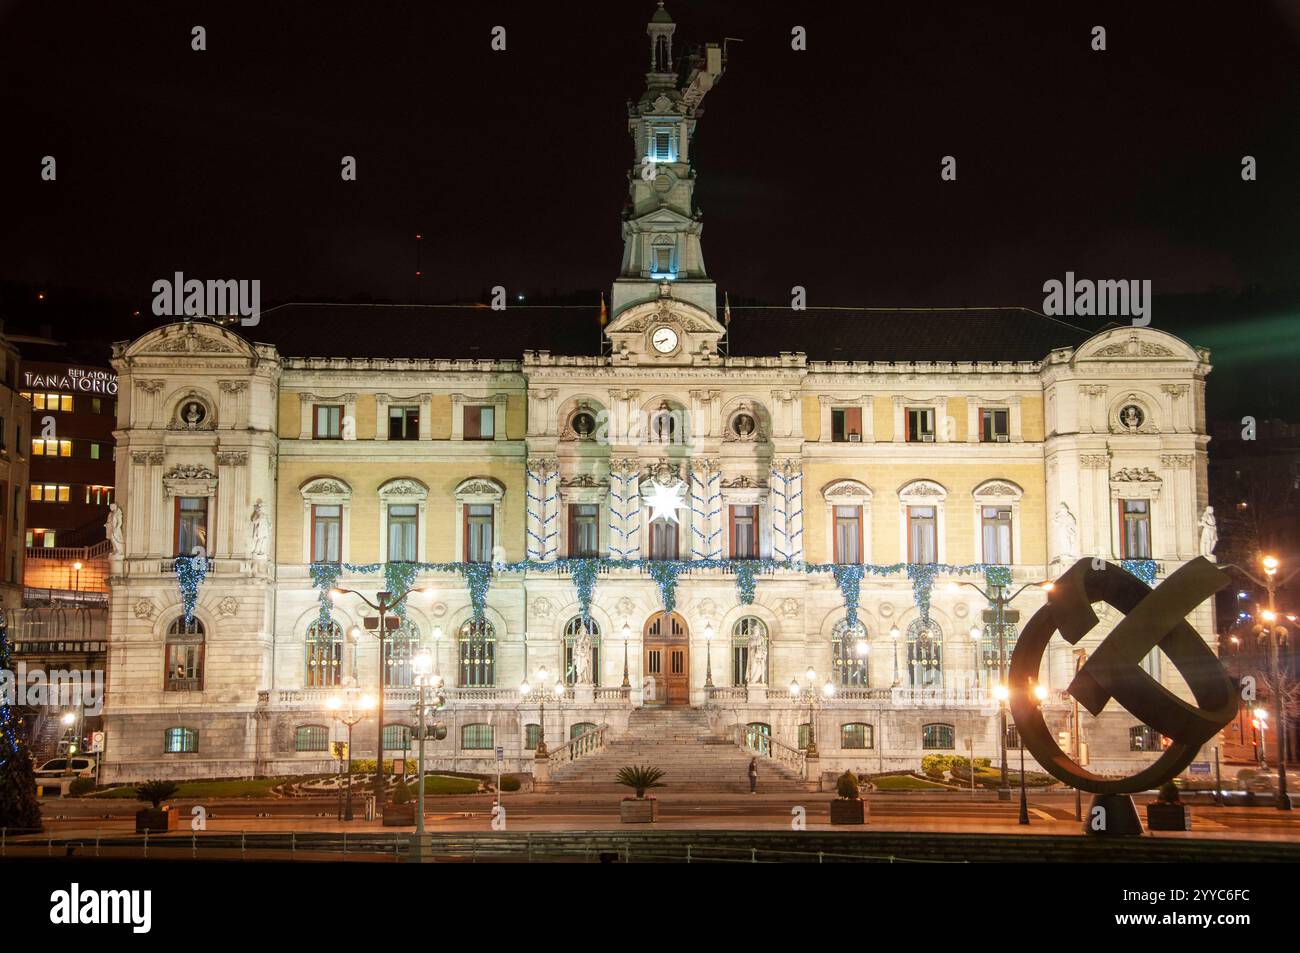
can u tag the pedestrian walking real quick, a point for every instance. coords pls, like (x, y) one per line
(753, 775)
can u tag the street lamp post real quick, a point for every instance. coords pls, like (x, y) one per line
(708, 648)
(349, 711)
(385, 604)
(425, 679)
(1040, 693)
(999, 616)
(76, 592)
(627, 634)
(1274, 634)
(894, 633)
(807, 695)
(535, 693)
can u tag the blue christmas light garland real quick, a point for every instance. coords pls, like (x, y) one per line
(190, 573)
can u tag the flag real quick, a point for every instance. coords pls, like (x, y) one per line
(726, 309)
(604, 315)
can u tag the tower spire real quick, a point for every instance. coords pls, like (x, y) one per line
(662, 225)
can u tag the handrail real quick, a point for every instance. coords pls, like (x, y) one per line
(65, 553)
(586, 743)
(759, 743)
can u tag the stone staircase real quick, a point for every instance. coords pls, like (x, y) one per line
(694, 757)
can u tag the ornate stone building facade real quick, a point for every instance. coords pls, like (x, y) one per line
(657, 447)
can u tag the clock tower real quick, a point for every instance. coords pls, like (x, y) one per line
(662, 258)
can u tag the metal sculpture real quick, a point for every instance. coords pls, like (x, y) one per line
(1152, 617)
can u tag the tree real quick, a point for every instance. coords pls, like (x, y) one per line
(19, 808)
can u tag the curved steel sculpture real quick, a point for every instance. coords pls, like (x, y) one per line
(1151, 617)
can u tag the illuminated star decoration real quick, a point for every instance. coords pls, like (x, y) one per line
(665, 501)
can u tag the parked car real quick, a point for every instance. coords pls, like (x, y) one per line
(82, 767)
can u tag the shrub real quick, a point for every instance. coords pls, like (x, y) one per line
(510, 783)
(1169, 793)
(936, 765)
(401, 793)
(155, 792)
(640, 778)
(847, 786)
(81, 786)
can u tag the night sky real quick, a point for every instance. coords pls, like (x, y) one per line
(816, 168)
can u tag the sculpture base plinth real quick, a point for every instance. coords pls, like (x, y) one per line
(1112, 815)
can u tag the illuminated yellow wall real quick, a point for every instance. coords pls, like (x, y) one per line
(959, 480)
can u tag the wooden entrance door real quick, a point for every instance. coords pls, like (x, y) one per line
(667, 661)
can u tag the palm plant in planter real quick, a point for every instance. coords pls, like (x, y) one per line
(848, 808)
(640, 809)
(399, 811)
(1167, 812)
(156, 818)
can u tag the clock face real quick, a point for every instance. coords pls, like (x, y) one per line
(664, 340)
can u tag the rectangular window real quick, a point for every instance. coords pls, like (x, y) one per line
(403, 520)
(403, 423)
(938, 737)
(96, 405)
(584, 535)
(327, 533)
(476, 738)
(920, 425)
(744, 532)
(1135, 525)
(856, 736)
(995, 425)
(60, 402)
(662, 143)
(848, 534)
(663, 260)
(478, 532)
(181, 741)
(846, 425)
(922, 535)
(191, 524)
(94, 451)
(51, 493)
(1142, 738)
(663, 539)
(997, 534)
(328, 420)
(184, 667)
(51, 448)
(480, 422)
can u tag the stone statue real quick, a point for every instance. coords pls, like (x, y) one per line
(1209, 533)
(582, 658)
(758, 660)
(113, 529)
(1067, 530)
(259, 530)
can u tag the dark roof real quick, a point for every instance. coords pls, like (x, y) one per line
(823, 334)
(867, 334)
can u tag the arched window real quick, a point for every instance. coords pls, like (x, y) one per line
(399, 648)
(532, 735)
(572, 630)
(185, 644)
(478, 642)
(324, 655)
(397, 737)
(180, 740)
(476, 737)
(938, 737)
(849, 654)
(857, 736)
(925, 654)
(748, 633)
(311, 738)
(580, 729)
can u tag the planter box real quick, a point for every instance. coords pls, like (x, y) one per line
(399, 815)
(156, 822)
(1168, 817)
(638, 810)
(848, 811)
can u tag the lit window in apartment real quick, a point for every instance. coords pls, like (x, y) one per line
(51, 493)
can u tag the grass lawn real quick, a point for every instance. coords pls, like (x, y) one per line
(247, 787)
(905, 782)
(439, 784)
